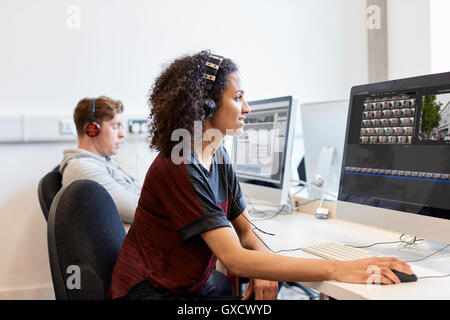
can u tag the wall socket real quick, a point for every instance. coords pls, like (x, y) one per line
(67, 127)
(137, 126)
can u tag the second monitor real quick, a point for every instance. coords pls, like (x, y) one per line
(324, 125)
(262, 155)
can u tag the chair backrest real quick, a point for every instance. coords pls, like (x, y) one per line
(48, 187)
(301, 170)
(85, 234)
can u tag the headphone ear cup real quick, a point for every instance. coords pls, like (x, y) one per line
(92, 129)
(210, 107)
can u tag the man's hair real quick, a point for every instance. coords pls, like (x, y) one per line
(177, 97)
(105, 109)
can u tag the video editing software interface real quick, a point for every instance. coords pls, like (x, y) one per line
(261, 150)
(398, 150)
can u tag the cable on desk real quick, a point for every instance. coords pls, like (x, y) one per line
(407, 243)
(270, 234)
(252, 211)
(290, 206)
(274, 252)
(433, 277)
(295, 193)
(255, 227)
(271, 217)
(414, 240)
(401, 240)
(373, 244)
(306, 202)
(308, 184)
(259, 229)
(287, 250)
(426, 257)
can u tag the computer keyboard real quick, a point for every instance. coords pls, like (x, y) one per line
(337, 251)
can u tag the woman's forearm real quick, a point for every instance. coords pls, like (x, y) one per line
(255, 260)
(263, 265)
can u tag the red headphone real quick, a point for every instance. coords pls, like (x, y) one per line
(92, 129)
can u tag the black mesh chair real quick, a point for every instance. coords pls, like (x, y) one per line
(48, 187)
(85, 234)
(301, 170)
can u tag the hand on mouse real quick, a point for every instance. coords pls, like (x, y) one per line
(370, 271)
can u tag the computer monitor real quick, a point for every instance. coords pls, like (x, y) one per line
(324, 125)
(396, 166)
(262, 154)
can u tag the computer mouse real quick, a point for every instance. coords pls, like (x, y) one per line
(404, 277)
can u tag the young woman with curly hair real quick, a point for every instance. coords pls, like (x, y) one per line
(183, 221)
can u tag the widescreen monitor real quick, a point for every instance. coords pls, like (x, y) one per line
(396, 165)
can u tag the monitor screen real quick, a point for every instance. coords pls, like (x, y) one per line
(262, 154)
(397, 150)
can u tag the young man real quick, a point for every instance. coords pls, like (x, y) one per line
(99, 128)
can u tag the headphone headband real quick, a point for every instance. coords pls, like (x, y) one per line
(92, 129)
(212, 67)
(92, 110)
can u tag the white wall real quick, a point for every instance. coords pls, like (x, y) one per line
(409, 49)
(24, 266)
(440, 29)
(312, 49)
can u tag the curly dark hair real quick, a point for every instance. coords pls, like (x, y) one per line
(177, 97)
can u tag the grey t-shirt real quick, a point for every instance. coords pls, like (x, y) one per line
(81, 164)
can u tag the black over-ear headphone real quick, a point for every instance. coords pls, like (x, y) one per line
(92, 128)
(212, 67)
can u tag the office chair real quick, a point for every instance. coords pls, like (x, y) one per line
(301, 170)
(85, 234)
(48, 187)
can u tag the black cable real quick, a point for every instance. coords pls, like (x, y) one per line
(256, 235)
(255, 227)
(274, 252)
(238, 206)
(271, 234)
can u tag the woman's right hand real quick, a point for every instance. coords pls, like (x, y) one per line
(371, 270)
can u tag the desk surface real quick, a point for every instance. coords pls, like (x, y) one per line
(299, 230)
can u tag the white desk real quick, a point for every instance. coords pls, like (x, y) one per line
(299, 230)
